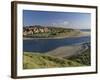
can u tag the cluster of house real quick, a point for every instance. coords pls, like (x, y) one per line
(33, 30)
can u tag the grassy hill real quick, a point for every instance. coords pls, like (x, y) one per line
(37, 60)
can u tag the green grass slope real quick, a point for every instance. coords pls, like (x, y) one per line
(83, 58)
(37, 60)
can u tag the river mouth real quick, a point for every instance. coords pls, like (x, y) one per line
(46, 45)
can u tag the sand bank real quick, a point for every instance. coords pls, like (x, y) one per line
(67, 51)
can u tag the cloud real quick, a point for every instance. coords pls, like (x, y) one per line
(61, 23)
(65, 22)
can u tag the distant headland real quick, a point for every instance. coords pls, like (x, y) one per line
(38, 31)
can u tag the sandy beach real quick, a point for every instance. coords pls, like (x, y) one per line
(67, 51)
(86, 33)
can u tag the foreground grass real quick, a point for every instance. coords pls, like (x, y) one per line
(83, 58)
(37, 60)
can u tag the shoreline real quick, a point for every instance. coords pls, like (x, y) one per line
(82, 34)
(66, 51)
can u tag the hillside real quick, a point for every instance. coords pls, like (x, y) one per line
(45, 61)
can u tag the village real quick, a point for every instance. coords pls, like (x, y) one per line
(35, 29)
(38, 31)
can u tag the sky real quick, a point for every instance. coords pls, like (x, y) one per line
(74, 20)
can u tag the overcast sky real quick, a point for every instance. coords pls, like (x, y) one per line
(61, 19)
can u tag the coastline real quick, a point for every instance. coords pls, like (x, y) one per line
(82, 34)
(66, 51)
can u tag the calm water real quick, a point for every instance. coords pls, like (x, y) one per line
(44, 45)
